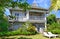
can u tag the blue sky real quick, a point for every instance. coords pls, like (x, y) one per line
(41, 3)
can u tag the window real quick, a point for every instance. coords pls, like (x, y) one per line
(25, 14)
(16, 14)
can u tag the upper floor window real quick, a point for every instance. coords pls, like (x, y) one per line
(25, 13)
(16, 14)
(20, 14)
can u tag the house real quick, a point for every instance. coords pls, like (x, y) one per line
(36, 15)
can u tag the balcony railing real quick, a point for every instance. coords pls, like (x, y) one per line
(24, 18)
(36, 18)
(20, 18)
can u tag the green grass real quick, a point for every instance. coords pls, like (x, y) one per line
(38, 36)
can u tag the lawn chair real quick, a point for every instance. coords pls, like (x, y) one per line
(47, 35)
(52, 34)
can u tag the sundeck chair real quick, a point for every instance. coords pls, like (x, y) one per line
(52, 34)
(47, 35)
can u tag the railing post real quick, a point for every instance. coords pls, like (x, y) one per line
(45, 22)
(27, 14)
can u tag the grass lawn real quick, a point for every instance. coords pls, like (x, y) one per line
(38, 36)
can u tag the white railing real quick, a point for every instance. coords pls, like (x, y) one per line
(17, 18)
(20, 18)
(36, 17)
(30, 18)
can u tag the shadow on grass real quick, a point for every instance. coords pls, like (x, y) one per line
(24, 38)
(7, 38)
(14, 38)
(4, 37)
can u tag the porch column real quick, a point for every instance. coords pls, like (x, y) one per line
(27, 14)
(45, 22)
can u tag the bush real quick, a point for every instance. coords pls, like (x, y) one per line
(9, 33)
(25, 33)
(26, 29)
(54, 28)
(56, 31)
(32, 29)
(17, 32)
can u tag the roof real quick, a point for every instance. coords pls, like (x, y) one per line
(34, 4)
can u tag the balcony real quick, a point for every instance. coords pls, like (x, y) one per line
(37, 19)
(31, 19)
(21, 19)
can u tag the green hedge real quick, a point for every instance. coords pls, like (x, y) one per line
(56, 31)
(11, 33)
(24, 30)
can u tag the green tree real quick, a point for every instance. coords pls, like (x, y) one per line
(51, 19)
(3, 21)
(52, 24)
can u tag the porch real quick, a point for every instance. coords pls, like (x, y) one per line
(31, 16)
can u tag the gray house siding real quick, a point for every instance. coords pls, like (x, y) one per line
(38, 26)
(15, 26)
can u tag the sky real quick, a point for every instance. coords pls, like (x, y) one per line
(42, 3)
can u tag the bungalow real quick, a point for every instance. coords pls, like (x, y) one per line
(36, 15)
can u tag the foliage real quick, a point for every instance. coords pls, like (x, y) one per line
(20, 3)
(56, 31)
(3, 20)
(52, 25)
(55, 4)
(28, 27)
(6, 4)
(32, 29)
(9, 33)
(51, 18)
(54, 28)
(25, 26)
(12, 17)
(16, 32)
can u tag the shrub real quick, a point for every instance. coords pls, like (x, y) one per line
(56, 31)
(9, 33)
(25, 33)
(54, 28)
(26, 29)
(32, 29)
(17, 32)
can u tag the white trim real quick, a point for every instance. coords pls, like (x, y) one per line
(45, 22)
(37, 11)
(27, 15)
